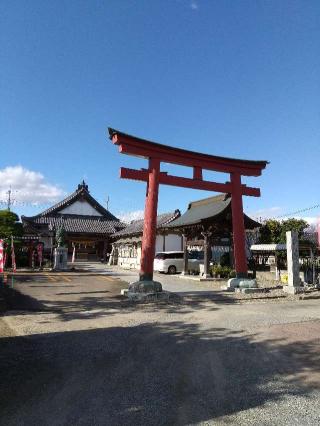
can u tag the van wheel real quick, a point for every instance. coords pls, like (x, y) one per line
(172, 269)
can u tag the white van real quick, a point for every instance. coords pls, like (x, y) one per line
(172, 262)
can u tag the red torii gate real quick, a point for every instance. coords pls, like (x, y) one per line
(157, 153)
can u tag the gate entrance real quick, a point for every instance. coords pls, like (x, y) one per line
(156, 153)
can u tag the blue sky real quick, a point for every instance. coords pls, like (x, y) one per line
(231, 78)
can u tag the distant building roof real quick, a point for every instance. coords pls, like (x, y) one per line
(75, 224)
(136, 226)
(103, 222)
(215, 209)
(81, 193)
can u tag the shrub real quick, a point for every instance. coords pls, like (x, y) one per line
(222, 271)
(232, 273)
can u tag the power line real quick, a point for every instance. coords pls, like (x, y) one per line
(298, 211)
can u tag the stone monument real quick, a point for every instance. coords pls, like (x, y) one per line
(294, 282)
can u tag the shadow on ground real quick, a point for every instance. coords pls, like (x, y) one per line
(148, 374)
(85, 304)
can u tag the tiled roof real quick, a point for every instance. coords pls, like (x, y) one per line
(209, 209)
(81, 193)
(136, 226)
(77, 224)
(105, 224)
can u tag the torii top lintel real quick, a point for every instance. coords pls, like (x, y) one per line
(135, 146)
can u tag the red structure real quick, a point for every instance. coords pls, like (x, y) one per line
(157, 153)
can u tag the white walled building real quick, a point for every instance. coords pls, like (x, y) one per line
(126, 250)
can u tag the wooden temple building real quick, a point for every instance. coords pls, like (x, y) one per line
(88, 226)
(127, 245)
(207, 225)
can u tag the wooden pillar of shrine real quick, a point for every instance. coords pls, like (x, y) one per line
(104, 253)
(185, 255)
(206, 249)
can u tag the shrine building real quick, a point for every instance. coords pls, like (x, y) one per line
(87, 224)
(207, 226)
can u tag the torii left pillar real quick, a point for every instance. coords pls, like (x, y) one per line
(146, 283)
(150, 221)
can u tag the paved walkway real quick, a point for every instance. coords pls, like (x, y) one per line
(173, 283)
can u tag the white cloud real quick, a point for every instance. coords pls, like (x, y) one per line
(27, 186)
(128, 217)
(194, 5)
(312, 221)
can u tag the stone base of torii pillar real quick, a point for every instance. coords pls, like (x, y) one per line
(145, 290)
(234, 283)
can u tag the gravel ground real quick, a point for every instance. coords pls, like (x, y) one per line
(75, 352)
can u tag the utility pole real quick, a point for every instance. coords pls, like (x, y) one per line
(107, 202)
(9, 199)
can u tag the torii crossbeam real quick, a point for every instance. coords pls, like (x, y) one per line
(157, 153)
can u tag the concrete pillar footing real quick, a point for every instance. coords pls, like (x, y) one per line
(291, 289)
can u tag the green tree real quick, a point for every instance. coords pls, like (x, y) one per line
(60, 236)
(274, 231)
(9, 225)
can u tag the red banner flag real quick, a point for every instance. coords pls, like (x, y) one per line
(13, 257)
(39, 250)
(1, 256)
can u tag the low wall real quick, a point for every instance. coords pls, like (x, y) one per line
(128, 262)
(266, 276)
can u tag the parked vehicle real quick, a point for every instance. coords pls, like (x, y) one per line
(172, 262)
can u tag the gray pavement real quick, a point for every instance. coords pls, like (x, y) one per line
(74, 352)
(171, 283)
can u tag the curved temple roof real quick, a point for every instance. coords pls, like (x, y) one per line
(103, 222)
(209, 209)
(136, 226)
(81, 193)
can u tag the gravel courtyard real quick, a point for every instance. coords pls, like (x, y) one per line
(73, 351)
